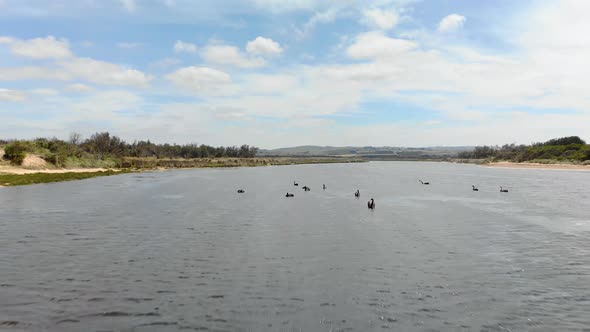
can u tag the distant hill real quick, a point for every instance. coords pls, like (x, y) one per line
(369, 152)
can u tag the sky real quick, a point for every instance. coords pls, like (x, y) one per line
(279, 73)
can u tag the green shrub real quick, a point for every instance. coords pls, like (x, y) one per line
(57, 159)
(565, 141)
(15, 152)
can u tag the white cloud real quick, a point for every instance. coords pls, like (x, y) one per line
(264, 46)
(463, 86)
(451, 23)
(11, 95)
(67, 66)
(328, 11)
(32, 73)
(299, 92)
(180, 47)
(326, 16)
(130, 5)
(38, 48)
(129, 45)
(163, 126)
(279, 6)
(283, 6)
(102, 105)
(230, 55)
(80, 68)
(45, 92)
(377, 45)
(268, 84)
(79, 87)
(381, 19)
(553, 26)
(364, 72)
(165, 63)
(199, 79)
(101, 72)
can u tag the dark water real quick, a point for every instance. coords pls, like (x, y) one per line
(181, 250)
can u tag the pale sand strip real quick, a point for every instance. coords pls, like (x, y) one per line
(506, 164)
(21, 171)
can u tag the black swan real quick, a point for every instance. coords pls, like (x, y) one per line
(295, 183)
(306, 188)
(371, 204)
(289, 195)
(424, 183)
(357, 194)
(241, 191)
(473, 188)
(503, 190)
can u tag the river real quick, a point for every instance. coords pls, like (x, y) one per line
(181, 250)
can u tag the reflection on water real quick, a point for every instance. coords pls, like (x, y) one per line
(180, 250)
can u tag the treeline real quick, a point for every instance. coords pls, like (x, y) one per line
(571, 148)
(104, 146)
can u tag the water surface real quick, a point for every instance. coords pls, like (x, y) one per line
(181, 250)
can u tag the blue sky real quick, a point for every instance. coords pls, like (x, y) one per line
(276, 73)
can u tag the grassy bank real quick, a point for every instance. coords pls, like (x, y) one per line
(25, 179)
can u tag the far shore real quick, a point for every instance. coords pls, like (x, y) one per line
(15, 170)
(53, 174)
(525, 165)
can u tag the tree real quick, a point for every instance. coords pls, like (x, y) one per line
(253, 151)
(103, 144)
(75, 138)
(485, 151)
(565, 141)
(244, 151)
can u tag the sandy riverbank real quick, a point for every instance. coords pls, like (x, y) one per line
(22, 171)
(506, 164)
(12, 171)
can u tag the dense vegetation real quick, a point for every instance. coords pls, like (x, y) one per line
(572, 149)
(106, 150)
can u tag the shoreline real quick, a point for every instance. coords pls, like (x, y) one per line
(525, 165)
(13, 170)
(14, 179)
(16, 176)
